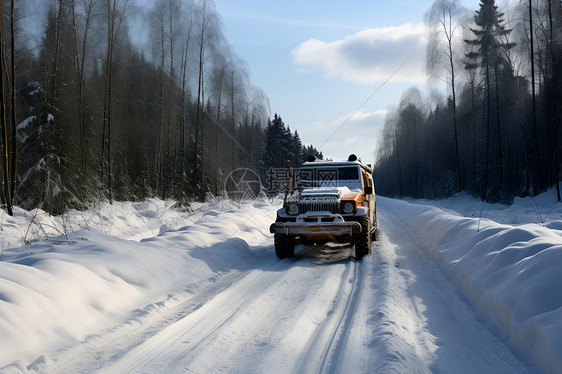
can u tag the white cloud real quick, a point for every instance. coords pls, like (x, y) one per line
(358, 135)
(349, 142)
(359, 120)
(368, 56)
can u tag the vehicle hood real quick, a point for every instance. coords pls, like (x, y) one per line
(340, 192)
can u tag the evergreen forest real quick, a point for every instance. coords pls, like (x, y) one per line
(497, 134)
(89, 113)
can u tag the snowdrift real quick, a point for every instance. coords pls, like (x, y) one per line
(512, 273)
(65, 278)
(87, 271)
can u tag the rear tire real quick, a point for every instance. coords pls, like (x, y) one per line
(284, 245)
(363, 239)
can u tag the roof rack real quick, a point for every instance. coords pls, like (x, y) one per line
(352, 158)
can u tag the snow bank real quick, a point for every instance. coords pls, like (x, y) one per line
(79, 272)
(64, 278)
(512, 273)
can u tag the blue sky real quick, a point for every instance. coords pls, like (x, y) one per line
(319, 60)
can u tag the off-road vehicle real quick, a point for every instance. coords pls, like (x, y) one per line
(327, 201)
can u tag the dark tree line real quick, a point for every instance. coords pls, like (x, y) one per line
(497, 135)
(94, 115)
(281, 145)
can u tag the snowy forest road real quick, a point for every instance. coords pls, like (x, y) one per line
(318, 312)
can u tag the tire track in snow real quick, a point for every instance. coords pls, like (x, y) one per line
(99, 350)
(329, 340)
(183, 340)
(273, 331)
(265, 312)
(149, 340)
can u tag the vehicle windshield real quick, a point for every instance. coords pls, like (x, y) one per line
(326, 176)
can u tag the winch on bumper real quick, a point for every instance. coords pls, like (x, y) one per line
(317, 223)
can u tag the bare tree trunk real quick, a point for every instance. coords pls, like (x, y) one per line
(200, 103)
(185, 56)
(498, 128)
(536, 148)
(217, 130)
(107, 100)
(57, 48)
(106, 96)
(81, 82)
(183, 68)
(14, 157)
(447, 14)
(147, 143)
(202, 136)
(171, 78)
(487, 147)
(6, 195)
(233, 115)
(113, 15)
(161, 136)
(459, 174)
(109, 103)
(80, 61)
(557, 102)
(78, 86)
(182, 105)
(474, 130)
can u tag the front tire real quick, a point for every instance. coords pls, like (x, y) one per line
(363, 239)
(284, 245)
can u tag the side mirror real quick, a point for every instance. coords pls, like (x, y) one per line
(368, 190)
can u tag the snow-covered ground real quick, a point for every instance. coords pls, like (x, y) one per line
(452, 286)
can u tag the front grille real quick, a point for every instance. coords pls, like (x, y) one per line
(319, 205)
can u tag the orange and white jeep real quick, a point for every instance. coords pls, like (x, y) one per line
(327, 201)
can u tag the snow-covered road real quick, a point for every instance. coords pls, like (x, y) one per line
(227, 304)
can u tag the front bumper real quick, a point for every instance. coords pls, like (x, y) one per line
(316, 225)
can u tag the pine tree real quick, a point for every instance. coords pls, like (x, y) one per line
(281, 146)
(489, 56)
(296, 146)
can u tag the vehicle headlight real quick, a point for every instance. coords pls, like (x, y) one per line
(348, 206)
(293, 208)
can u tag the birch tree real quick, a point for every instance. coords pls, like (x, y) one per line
(80, 49)
(116, 10)
(188, 30)
(445, 20)
(200, 100)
